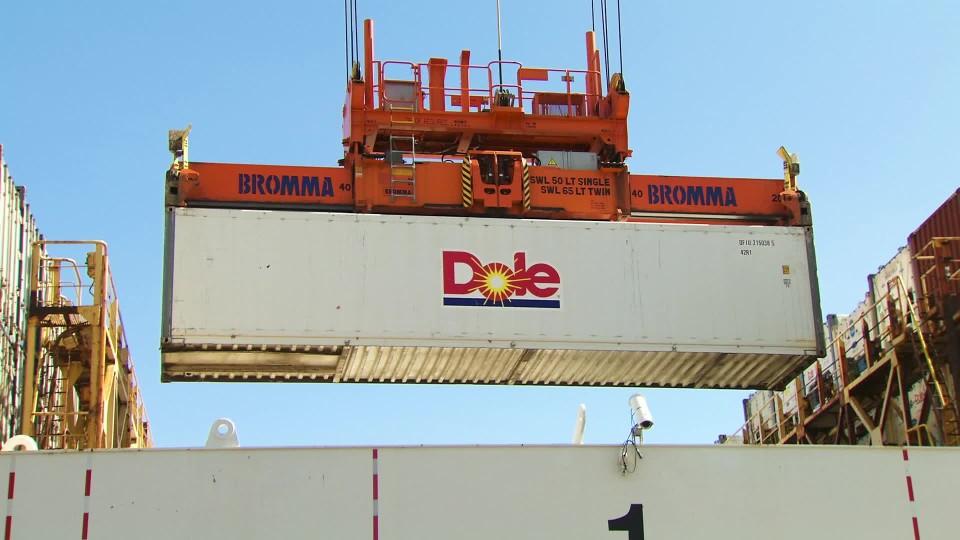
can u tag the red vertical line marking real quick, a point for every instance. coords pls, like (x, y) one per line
(87, 488)
(376, 495)
(11, 482)
(910, 495)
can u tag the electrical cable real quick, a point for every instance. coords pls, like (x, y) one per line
(624, 450)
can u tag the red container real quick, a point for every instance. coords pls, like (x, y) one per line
(935, 263)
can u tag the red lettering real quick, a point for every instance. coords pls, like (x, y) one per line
(450, 260)
(542, 274)
(520, 272)
(524, 280)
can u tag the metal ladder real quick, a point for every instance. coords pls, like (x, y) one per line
(945, 407)
(949, 424)
(403, 176)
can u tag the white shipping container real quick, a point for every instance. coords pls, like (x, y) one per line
(482, 493)
(886, 283)
(832, 332)
(855, 339)
(760, 409)
(362, 297)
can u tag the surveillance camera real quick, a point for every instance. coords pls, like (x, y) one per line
(642, 417)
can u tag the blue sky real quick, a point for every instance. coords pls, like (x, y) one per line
(864, 92)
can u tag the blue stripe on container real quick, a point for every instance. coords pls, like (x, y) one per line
(510, 302)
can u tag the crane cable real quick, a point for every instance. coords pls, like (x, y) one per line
(606, 38)
(356, 38)
(620, 39)
(346, 36)
(351, 41)
(499, 48)
(607, 29)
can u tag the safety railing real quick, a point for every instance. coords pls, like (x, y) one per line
(573, 99)
(938, 265)
(84, 391)
(53, 288)
(410, 90)
(922, 434)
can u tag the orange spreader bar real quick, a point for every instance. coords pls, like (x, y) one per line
(239, 185)
(553, 193)
(747, 197)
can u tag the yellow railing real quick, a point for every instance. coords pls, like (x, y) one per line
(81, 387)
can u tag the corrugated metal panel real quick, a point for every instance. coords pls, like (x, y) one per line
(18, 230)
(484, 366)
(431, 365)
(944, 221)
(593, 303)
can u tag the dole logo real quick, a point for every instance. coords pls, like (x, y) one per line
(469, 282)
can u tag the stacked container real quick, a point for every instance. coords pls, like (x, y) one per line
(889, 284)
(943, 223)
(18, 230)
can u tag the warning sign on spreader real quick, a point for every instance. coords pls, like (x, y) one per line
(572, 185)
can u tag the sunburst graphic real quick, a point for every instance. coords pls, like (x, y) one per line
(496, 282)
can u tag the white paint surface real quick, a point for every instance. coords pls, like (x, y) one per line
(563, 492)
(273, 280)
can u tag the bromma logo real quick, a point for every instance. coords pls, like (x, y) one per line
(469, 282)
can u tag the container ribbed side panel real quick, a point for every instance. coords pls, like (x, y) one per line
(944, 222)
(18, 231)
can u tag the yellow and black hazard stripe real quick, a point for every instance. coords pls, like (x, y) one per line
(466, 182)
(526, 186)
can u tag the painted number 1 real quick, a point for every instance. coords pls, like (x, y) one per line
(632, 523)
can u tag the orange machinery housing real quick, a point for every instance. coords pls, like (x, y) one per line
(415, 143)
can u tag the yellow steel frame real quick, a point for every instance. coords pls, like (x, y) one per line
(80, 388)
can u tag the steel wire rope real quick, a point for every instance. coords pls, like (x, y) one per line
(356, 37)
(606, 38)
(346, 36)
(620, 39)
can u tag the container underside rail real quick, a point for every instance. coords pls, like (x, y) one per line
(437, 365)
